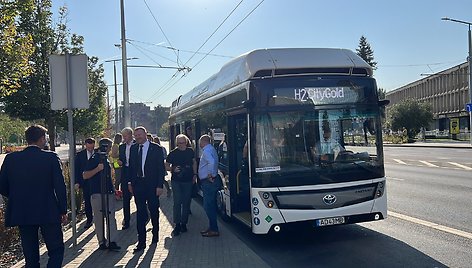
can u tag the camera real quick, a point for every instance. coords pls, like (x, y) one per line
(103, 148)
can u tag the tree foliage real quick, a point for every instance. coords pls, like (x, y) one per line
(15, 47)
(32, 100)
(11, 129)
(410, 114)
(366, 53)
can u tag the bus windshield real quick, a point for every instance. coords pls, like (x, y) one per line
(317, 147)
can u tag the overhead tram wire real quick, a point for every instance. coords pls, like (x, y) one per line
(217, 28)
(155, 19)
(180, 50)
(252, 11)
(160, 91)
(140, 48)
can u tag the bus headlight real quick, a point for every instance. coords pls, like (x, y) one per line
(270, 204)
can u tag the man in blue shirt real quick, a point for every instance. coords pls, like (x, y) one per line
(210, 181)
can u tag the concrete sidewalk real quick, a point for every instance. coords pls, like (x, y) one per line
(433, 144)
(186, 250)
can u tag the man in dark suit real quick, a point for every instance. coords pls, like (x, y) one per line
(33, 182)
(147, 172)
(81, 160)
(124, 151)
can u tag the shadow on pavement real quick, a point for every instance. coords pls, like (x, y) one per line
(340, 246)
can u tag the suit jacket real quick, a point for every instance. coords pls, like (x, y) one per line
(33, 182)
(122, 157)
(80, 166)
(154, 168)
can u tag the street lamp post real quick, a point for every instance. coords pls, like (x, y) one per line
(126, 108)
(469, 59)
(117, 125)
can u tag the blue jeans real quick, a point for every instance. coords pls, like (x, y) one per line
(209, 202)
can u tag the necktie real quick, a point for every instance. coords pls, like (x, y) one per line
(140, 161)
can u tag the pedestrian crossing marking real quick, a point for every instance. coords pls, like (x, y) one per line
(461, 166)
(399, 161)
(428, 163)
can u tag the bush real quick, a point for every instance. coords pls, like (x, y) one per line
(8, 236)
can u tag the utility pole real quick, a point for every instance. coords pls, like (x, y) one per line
(126, 108)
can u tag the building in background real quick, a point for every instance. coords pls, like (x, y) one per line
(447, 92)
(142, 115)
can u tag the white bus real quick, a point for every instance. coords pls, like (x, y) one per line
(298, 134)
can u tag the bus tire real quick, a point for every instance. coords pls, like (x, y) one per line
(221, 206)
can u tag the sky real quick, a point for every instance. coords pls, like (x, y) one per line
(408, 37)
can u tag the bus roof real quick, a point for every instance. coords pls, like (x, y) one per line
(265, 63)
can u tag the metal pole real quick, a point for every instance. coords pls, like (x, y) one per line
(71, 149)
(470, 83)
(117, 126)
(126, 108)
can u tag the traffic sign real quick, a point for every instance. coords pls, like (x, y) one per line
(468, 107)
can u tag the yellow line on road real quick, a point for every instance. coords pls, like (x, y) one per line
(428, 163)
(399, 161)
(461, 166)
(431, 225)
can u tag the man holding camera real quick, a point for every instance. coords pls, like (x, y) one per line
(102, 195)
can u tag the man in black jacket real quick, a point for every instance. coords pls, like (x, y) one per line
(147, 172)
(124, 151)
(33, 182)
(81, 160)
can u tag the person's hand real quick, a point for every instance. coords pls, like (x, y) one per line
(76, 186)
(194, 179)
(130, 188)
(120, 163)
(64, 219)
(159, 191)
(211, 178)
(100, 167)
(177, 169)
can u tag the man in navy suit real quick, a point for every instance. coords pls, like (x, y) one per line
(147, 172)
(33, 182)
(81, 160)
(124, 151)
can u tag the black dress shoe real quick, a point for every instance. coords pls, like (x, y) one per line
(183, 228)
(155, 239)
(125, 226)
(113, 246)
(102, 246)
(139, 247)
(176, 230)
(87, 225)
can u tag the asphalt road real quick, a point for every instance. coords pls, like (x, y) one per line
(437, 192)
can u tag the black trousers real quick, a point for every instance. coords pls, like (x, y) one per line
(52, 234)
(126, 195)
(87, 203)
(146, 199)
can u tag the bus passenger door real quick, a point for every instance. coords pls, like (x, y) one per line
(238, 164)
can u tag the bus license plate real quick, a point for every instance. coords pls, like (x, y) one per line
(330, 221)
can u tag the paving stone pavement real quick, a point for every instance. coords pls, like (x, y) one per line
(186, 250)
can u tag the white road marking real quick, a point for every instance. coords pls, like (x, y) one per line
(428, 163)
(431, 225)
(461, 166)
(399, 161)
(395, 179)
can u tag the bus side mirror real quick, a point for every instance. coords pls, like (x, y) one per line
(383, 103)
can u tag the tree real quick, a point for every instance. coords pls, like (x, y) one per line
(32, 100)
(410, 114)
(11, 127)
(381, 92)
(15, 47)
(366, 53)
